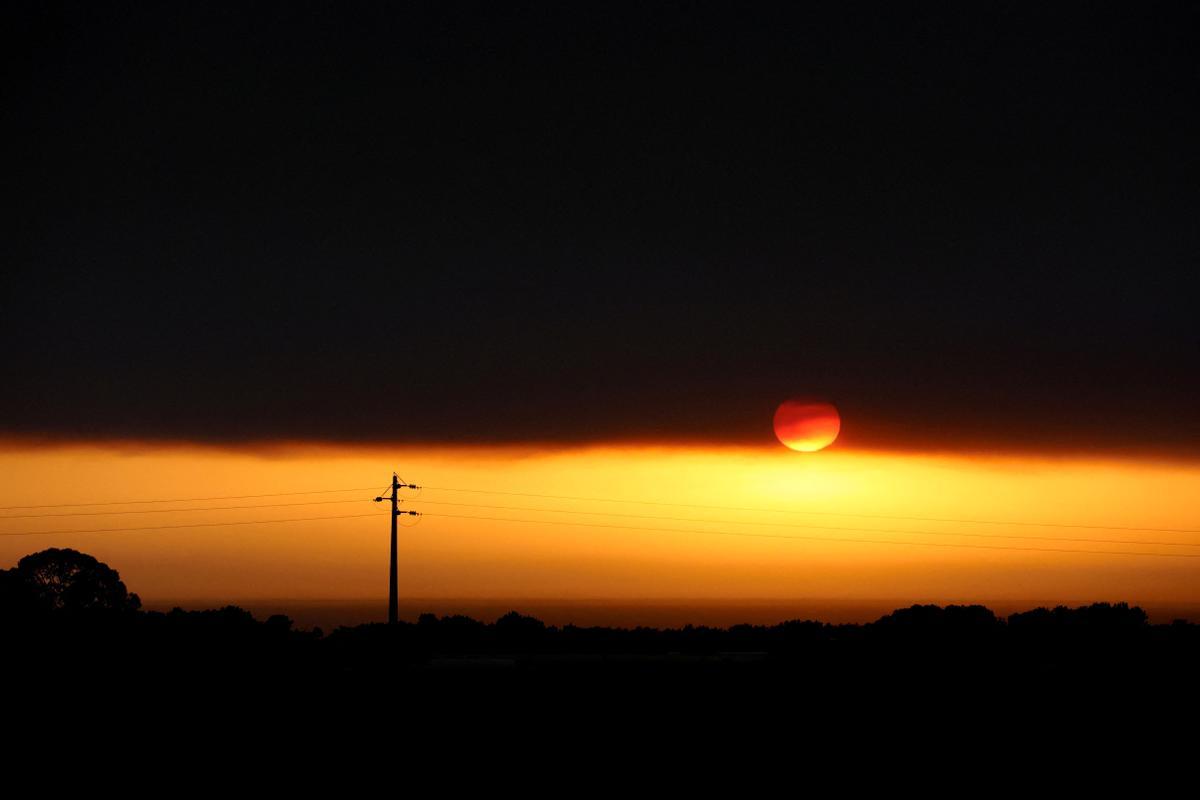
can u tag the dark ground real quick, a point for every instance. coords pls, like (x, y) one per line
(84, 670)
(917, 696)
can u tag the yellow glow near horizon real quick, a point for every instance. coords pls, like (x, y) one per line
(617, 550)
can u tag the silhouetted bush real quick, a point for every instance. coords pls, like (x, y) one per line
(71, 581)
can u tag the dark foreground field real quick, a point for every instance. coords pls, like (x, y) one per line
(90, 646)
(925, 686)
(952, 651)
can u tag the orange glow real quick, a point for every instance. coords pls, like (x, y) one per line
(807, 425)
(715, 525)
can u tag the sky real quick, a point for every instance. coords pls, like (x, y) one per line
(427, 229)
(593, 534)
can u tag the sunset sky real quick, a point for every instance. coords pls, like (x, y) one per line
(562, 263)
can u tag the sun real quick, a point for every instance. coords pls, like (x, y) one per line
(807, 425)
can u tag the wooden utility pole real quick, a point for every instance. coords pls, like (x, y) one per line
(393, 601)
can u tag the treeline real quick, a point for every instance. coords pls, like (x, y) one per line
(927, 625)
(63, 613)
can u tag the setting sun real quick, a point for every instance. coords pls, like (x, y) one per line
(807, 425)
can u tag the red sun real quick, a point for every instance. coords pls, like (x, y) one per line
(807, 425)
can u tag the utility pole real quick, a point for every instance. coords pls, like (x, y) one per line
(393, 599)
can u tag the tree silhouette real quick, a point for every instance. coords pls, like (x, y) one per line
(68, 580)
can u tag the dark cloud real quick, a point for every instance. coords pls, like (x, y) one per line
(968, 226)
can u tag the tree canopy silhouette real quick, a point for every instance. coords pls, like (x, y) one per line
(68, 580)
(67, 617)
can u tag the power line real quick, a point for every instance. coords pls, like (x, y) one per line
(189, 525)
(824, 538)
(819, 513)
(181, 510)
(635, 528)
(188, 499)
(574, 498)
(820, 527)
